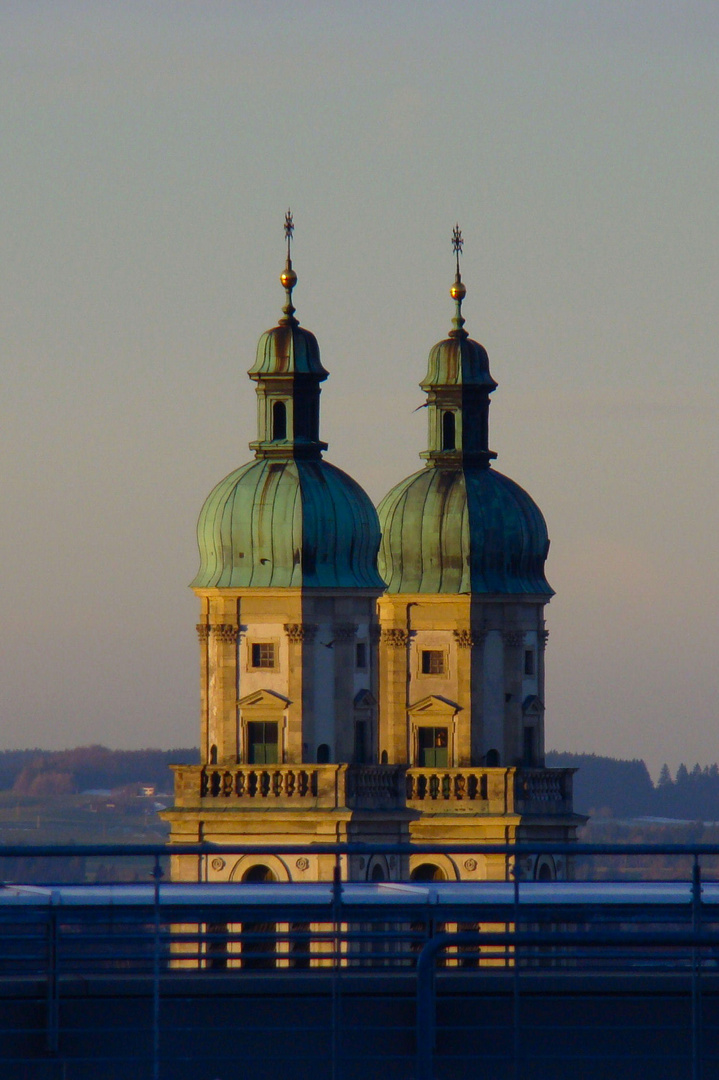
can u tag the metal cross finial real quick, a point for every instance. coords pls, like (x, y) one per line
(289, 229)
(457, 243)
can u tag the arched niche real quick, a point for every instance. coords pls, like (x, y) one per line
(271, 862)
(441, 863)
(378, 869)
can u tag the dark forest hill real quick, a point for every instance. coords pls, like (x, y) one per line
(610, 787)
(603, 786)
(47, 773)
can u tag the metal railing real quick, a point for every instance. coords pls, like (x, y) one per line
(439, 954)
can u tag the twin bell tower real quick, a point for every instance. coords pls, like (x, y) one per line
(370, 675)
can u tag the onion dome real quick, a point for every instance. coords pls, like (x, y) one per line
(288, 524)
(458, 526)
(462, 530)
(288, 518)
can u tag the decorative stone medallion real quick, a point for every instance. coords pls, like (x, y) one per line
(218, 863)
(302, 863)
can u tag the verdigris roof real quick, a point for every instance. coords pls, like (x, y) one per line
(462, 530)
(288, 349)
(288, 524)
(458, 361)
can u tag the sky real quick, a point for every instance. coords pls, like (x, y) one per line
(148, 152)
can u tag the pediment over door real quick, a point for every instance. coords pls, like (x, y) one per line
(434, 706)
(364, 700)
(263, 701)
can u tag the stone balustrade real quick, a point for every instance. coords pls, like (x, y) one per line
(539, 791)
(464, 790)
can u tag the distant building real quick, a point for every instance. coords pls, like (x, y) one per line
(370, 676)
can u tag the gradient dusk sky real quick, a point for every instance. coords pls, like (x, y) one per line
(148, 153)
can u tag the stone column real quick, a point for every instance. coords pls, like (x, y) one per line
(464, 643)
(203, 635)
(300, 686)
(345, 636)
(542, 637)
(513, 667)
(222, 685)
(393, 661)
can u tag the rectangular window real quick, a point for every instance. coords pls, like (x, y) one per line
(262, 747)
(361, 655)
(432, 743)
(530, 747)
(361, 749)
(263, 654)
(529, 661)
(432, 662)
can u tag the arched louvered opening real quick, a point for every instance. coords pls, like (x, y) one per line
(448, 431)
(279, 421)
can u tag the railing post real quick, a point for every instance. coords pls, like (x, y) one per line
(156, 874)
(696, 971)
(516, 1016)
(53, 995)
(426, 1013)
(336, 946)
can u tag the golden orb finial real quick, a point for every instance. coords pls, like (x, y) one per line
(288, 278)
(458, 290)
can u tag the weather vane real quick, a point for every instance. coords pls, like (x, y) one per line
(289, 229)
(457, 243)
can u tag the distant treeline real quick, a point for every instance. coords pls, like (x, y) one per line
(68, 772)
(606, 786)
(603, 786)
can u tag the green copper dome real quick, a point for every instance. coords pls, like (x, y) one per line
(288, 349)
(462, 530)
(288, 524)
(458, 361)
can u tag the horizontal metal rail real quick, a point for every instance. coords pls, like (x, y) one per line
(519, 849)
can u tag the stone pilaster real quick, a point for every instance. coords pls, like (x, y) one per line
(345, 636)
(513, 641)
(464, 644)
(203, 637)
(393, 647)
(300, 686)
(222, 687)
